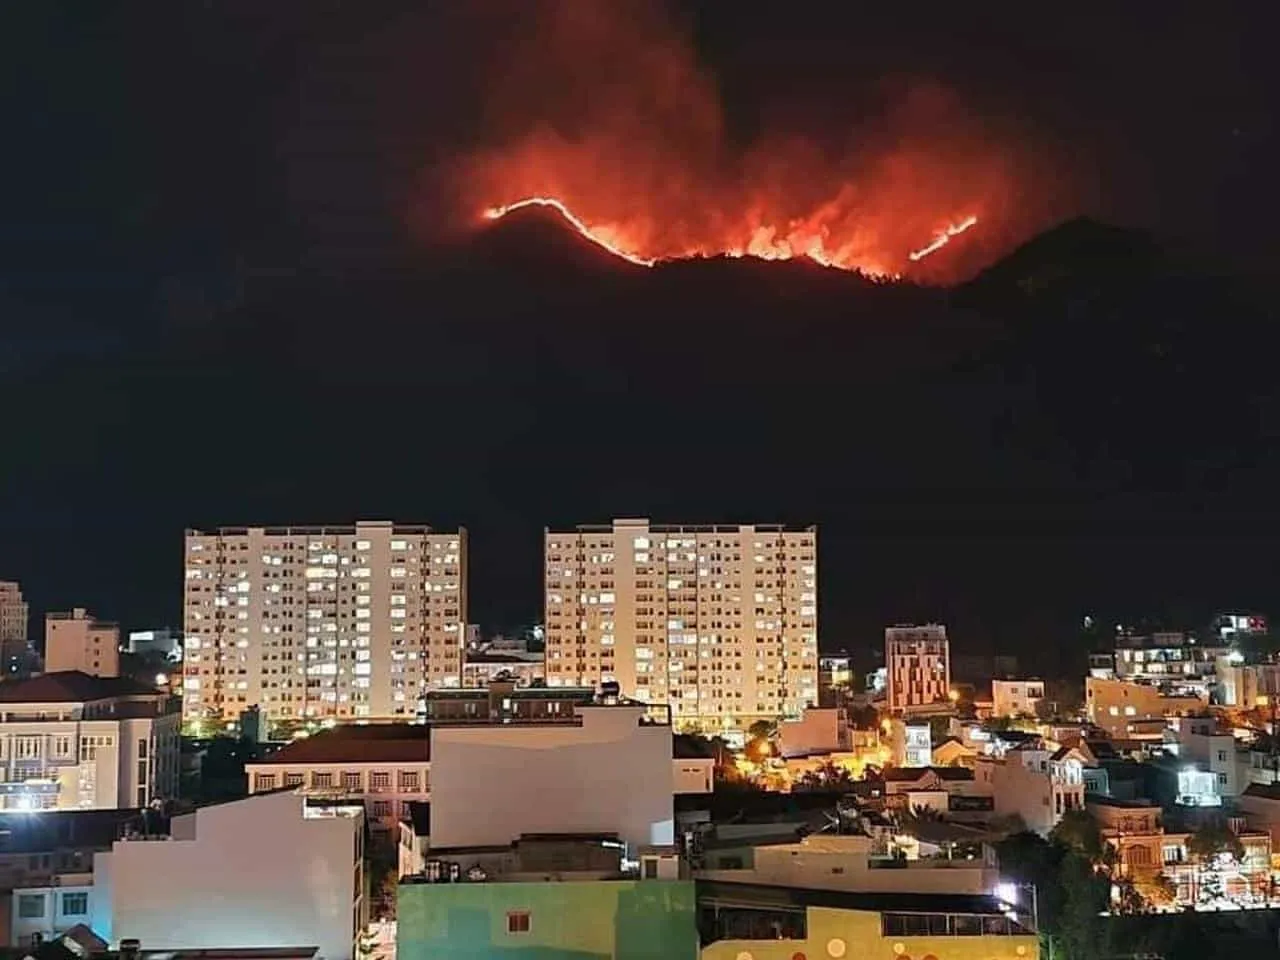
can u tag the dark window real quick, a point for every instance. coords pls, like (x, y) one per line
(518, 921)
(31, 906)
(75, 904)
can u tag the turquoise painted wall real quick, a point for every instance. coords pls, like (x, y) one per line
(591, 920)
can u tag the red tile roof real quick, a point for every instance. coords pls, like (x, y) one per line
(374, 743)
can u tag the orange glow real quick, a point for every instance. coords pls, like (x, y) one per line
(943, 238)
(595, 236)
(764, 243)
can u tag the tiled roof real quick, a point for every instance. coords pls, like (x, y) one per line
(910, 774)
(72, 686)
(374, 743)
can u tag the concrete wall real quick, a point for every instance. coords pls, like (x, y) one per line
(490, 784)
(256, 874)
(819, 730)
(589, 920)
(1113, 704)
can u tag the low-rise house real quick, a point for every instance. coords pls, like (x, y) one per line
(1145, 851)
(277, 870)
(1035, 783)
(1117, 705)
(929, 788)
(1016, 698)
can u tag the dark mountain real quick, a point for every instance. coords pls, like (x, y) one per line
(1084, 426)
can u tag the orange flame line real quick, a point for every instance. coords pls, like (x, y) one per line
(495, 213)
(943, 238)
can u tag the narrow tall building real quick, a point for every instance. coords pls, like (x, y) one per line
(918, 665)
(337, 622)
(719, 622)
(14, 646)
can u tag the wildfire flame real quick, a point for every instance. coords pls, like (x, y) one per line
(763, 244)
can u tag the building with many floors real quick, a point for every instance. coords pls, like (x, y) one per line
(14, 615)
(343, 622)
(74, 741)
(918, 664)
(79, 641)
(719, 622)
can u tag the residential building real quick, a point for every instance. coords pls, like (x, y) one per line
(79, 641)
(765, 922)
(73, 741)
(1145, 849)
(835, 680)
(1260, 805)
(1116, 705)
(819, 730)
(940, 789)
(573, 915)
(604, 768)
(14, 615)
(855, 863)
(718, 622)
(275, 870)
(481, 668)
(385, 767)
(910, 743)
(598, 741)
(1016, 698)
(918, 660)
(1034, 782)
(342, 622)
(1202, 743)
(157, 643)
(1247, 685)
(1170, 657)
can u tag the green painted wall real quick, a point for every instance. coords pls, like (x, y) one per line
(591, 920)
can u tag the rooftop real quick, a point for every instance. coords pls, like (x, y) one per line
(911, 774)
(374, 743)
(763, 895)
(22, 832)
(72, 686)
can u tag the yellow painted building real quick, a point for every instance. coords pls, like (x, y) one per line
(748, 922)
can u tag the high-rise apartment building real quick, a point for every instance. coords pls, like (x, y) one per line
(918, 664)
(13, 626)
(719, 622)
(78, 640)
(321, 622)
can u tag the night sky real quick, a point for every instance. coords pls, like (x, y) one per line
(240, 285)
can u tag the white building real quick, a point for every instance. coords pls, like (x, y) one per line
(918, 661)
(609, 770)
(342, 622)
(1016, 698)
(266, 871)
(163, 643)
(1035, 783)
(72, 741)
(1202, 744)
(79, 641)
(911, 743)
(719, 622)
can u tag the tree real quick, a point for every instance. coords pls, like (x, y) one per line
(1079, 831)
(763, 730)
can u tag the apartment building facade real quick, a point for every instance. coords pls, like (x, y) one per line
(77, 640)
(13, 626)
(718, 622)
(73, 741)
(343, 622)
(918, 664)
